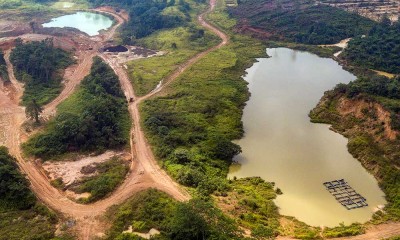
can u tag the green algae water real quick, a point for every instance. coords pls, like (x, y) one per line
(87, 22)
(281, 145)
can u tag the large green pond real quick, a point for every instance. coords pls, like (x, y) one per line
(281, 144)
(87, 22)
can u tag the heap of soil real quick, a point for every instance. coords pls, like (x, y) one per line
(118, 48)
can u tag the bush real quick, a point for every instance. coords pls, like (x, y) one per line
(39, 66)
(94, 118)
(14, 188)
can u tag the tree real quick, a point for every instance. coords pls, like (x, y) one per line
(33, 110)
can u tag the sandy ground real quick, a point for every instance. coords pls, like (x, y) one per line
(70, 171)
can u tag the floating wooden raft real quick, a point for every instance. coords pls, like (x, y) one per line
(345, 194)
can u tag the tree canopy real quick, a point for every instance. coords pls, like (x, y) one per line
(95, 118)
(14, 188)
(300, 21)
(39, 65)
(379, 49)
(146, 17)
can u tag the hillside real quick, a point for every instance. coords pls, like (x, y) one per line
(373, 9)
(298, 21)
(378, 50)
(22, 217)
(367, 112)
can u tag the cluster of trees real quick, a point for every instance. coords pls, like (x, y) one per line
(94, 119)
(22, 217)
(196, 219)
(110, 175)
(302, 21)
(378, 50)
(14, 188)
(146, 17)
(3, 68)
(382, 89)
(39, 65)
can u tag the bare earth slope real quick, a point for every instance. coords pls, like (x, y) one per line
(145, 173)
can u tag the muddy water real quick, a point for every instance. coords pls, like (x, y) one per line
(282, 145)
(88, 22)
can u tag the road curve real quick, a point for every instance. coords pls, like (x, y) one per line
(145, 172)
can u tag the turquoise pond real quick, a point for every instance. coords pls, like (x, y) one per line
(87, 22)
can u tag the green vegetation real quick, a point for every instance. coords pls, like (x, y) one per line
(196, 219)
(325, 52)
(179, 43)
(146, 17)
(21, 217)
(14, 191)
(39, 65)
(94, 118)
(299, 21)
(110, 175)
(344, 231)
(3, 68)
(192, 127)
(378, 50)
(250, 201)
(384, 90)
(367, 139)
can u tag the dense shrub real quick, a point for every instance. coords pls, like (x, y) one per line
(301, 21)
(14, 188)
(39, 66)
(379, 49)
(146, 17)
(95, 118)
(196, 219)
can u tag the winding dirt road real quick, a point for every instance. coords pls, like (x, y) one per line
(145, 172)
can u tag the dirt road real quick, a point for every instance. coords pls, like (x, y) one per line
(145, 172)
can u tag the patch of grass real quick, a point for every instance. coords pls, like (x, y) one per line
(110, 175)
(344, 231)
(297, 229)
(25, 225)
(179, 44)
(250, 201)
(194, 123)
(325, 52)
(196, 219)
